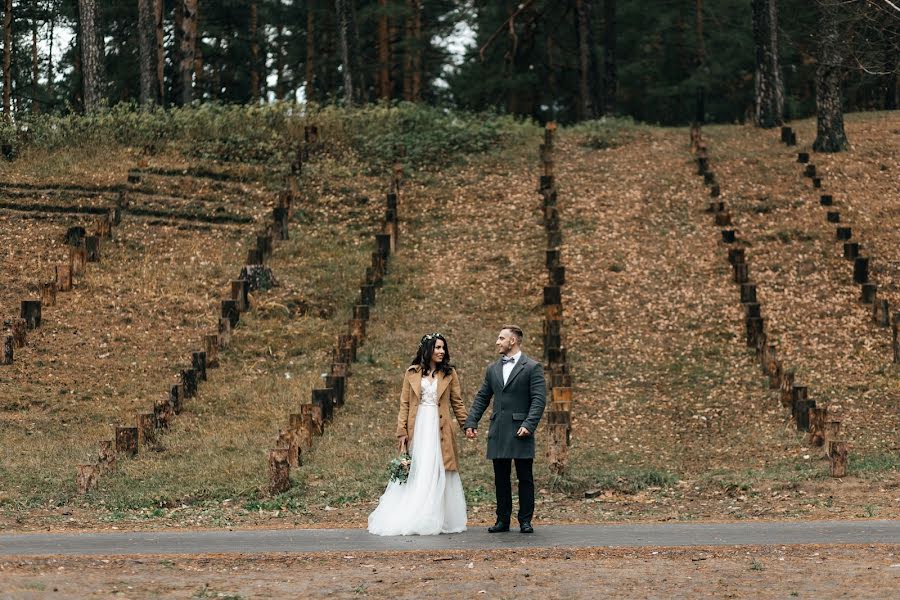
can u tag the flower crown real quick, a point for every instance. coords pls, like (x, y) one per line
(431, 336)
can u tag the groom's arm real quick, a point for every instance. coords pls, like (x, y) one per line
(538, 392)
(482, 398)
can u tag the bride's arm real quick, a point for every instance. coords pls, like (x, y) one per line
(456, 402)
(403, 415)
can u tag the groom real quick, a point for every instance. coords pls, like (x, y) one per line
(516, 383)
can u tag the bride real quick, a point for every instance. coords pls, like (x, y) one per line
(431, 501)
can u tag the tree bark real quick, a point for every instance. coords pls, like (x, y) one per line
(254, 53)
(702, 68)
(160, 51)
(93, 56)
(384, 53)
(830, 136)
(188, 50)
(349, 48)
(769, 89)
(417, 52)
(310, 50)
(610, 79)
(408, 52)
(280, 92)
(587, 105)
(50, 54)
(148, 51)
(35, 105)
(7, 59)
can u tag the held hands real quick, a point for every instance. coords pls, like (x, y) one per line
(522, 432)
(402, 443)
(471, 433)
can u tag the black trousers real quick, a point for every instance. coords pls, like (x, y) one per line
(502, 472)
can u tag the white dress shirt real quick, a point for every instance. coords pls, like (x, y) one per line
(508, 367)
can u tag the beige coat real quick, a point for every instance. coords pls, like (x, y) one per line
(449, 395)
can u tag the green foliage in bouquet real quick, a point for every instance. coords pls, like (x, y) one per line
(398, 469)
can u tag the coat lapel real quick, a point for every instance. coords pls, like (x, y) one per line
(443, 382)
(520, 366)
(498, 373)
(415, 381)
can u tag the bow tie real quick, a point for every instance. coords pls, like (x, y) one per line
(507, 359)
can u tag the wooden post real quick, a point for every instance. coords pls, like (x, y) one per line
(312, 415)
(189, 381)
(288, 440)
(881, 313)
(383, 244)
(361, 311)
(851, 250)
(557, 275)
(146, 427)
(64, 278)
(92, 248)
(86, 478)
(843, 233)
(230, 311)
(826, 200)
(106, 456)
(324, 398)
(838, 458)
(163, 411)
(367, 295)
(74, 235)
(803, 157)
(301, 430)
(748, 293)
(552, 295)
(833, 216)
(736, 256)
(728, 236)
(254, 257)
(861, 270)
(831, 433)
(224, 333)
(709, 178)
(211, 345)
(787, 386)
(810, 171)
(77, 260)
(198, 362)
(48, 293)
(239, 294)
(817, 182)
(741, 273)
(722, 219)
(31, 313)
(895, 336)
(279, 471)
(868, 293)
(127, 440)
(358, 330)
(176, 398)
(280, 216)
(338, 385)
(817, 418)
(19, 332)
(8, 345)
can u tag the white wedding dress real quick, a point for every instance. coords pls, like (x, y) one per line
(432, 500)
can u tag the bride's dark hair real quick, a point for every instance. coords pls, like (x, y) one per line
(426, 349)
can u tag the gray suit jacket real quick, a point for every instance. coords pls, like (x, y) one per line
(519, 403)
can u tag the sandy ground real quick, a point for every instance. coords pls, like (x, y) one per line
(738, 572)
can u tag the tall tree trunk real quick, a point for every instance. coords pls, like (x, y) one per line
(160, 51)
(280, 92)
(610, 78)
(35, 66)
(50, 54)
(384, 53)
(93, 56)
(769, 88)
(830, 136)
(587, 106)
(178, 32)
(418, 50)
(188, 50)
(254, 54)
(408, 30)
(7, 59)
(890, 36)
(702, 67)
(148, 51)
(310, 50)
(346, 22)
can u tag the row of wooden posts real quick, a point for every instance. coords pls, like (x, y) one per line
(558, 374)
(881, 309)
(824, 430)
(147, 426)
(313, 416)
(83, 249)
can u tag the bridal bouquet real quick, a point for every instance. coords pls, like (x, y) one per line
(399, 468)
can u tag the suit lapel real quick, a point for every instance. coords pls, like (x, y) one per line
(520, 366)
(415, 381)
(498, 373)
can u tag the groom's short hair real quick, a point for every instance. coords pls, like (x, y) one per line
(516, 331)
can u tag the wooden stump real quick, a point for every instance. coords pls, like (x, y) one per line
(851, 250)
(755, 327)
(106, 456)
(134, 178)
(383, 244)
(324, 399)
(748, 293)
(702, 165)
(176, 398)
(817, 182)
(793, 139)
(189, 381)
(64, 278)
(728, 236)
(810, 171)
(255, 257)
(198, 362)
(545, 182)
(803, 157)
(146, 426)
(48, 293)
(230, 311)
(831, 432)
(867, 293)
(709, 178)
(553, 258)
(86, 477)
(715, 191)
(31, 313)
(224, 333)
(833, 216)
(752, 310)
(163, 411)
(8, 344)
(280, 217)
(881, 313)
(367, 295)
(288, 440)
(338, 384)
(723, 219)
(817, 418)
(787, 386)
(802, 414)
(127, 440)
(741, 273)
(785, 134)
(264, 245)
(211, 346)
(239, 288)
(358, 330)
(19, 329)
(74, 235)
(826, 200)
(312, 415)
(843, 233)
(736, 255)
(77, 260)
(553, 311)
(895, 336)
(715, 207)
(776, 370)
(838, 458)
(558, 449)
(552, 295)
(302, 429)
(92, 248)
(860, 270)
(279, 471)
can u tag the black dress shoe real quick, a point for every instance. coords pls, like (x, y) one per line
(498, 527)
(525, 527)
